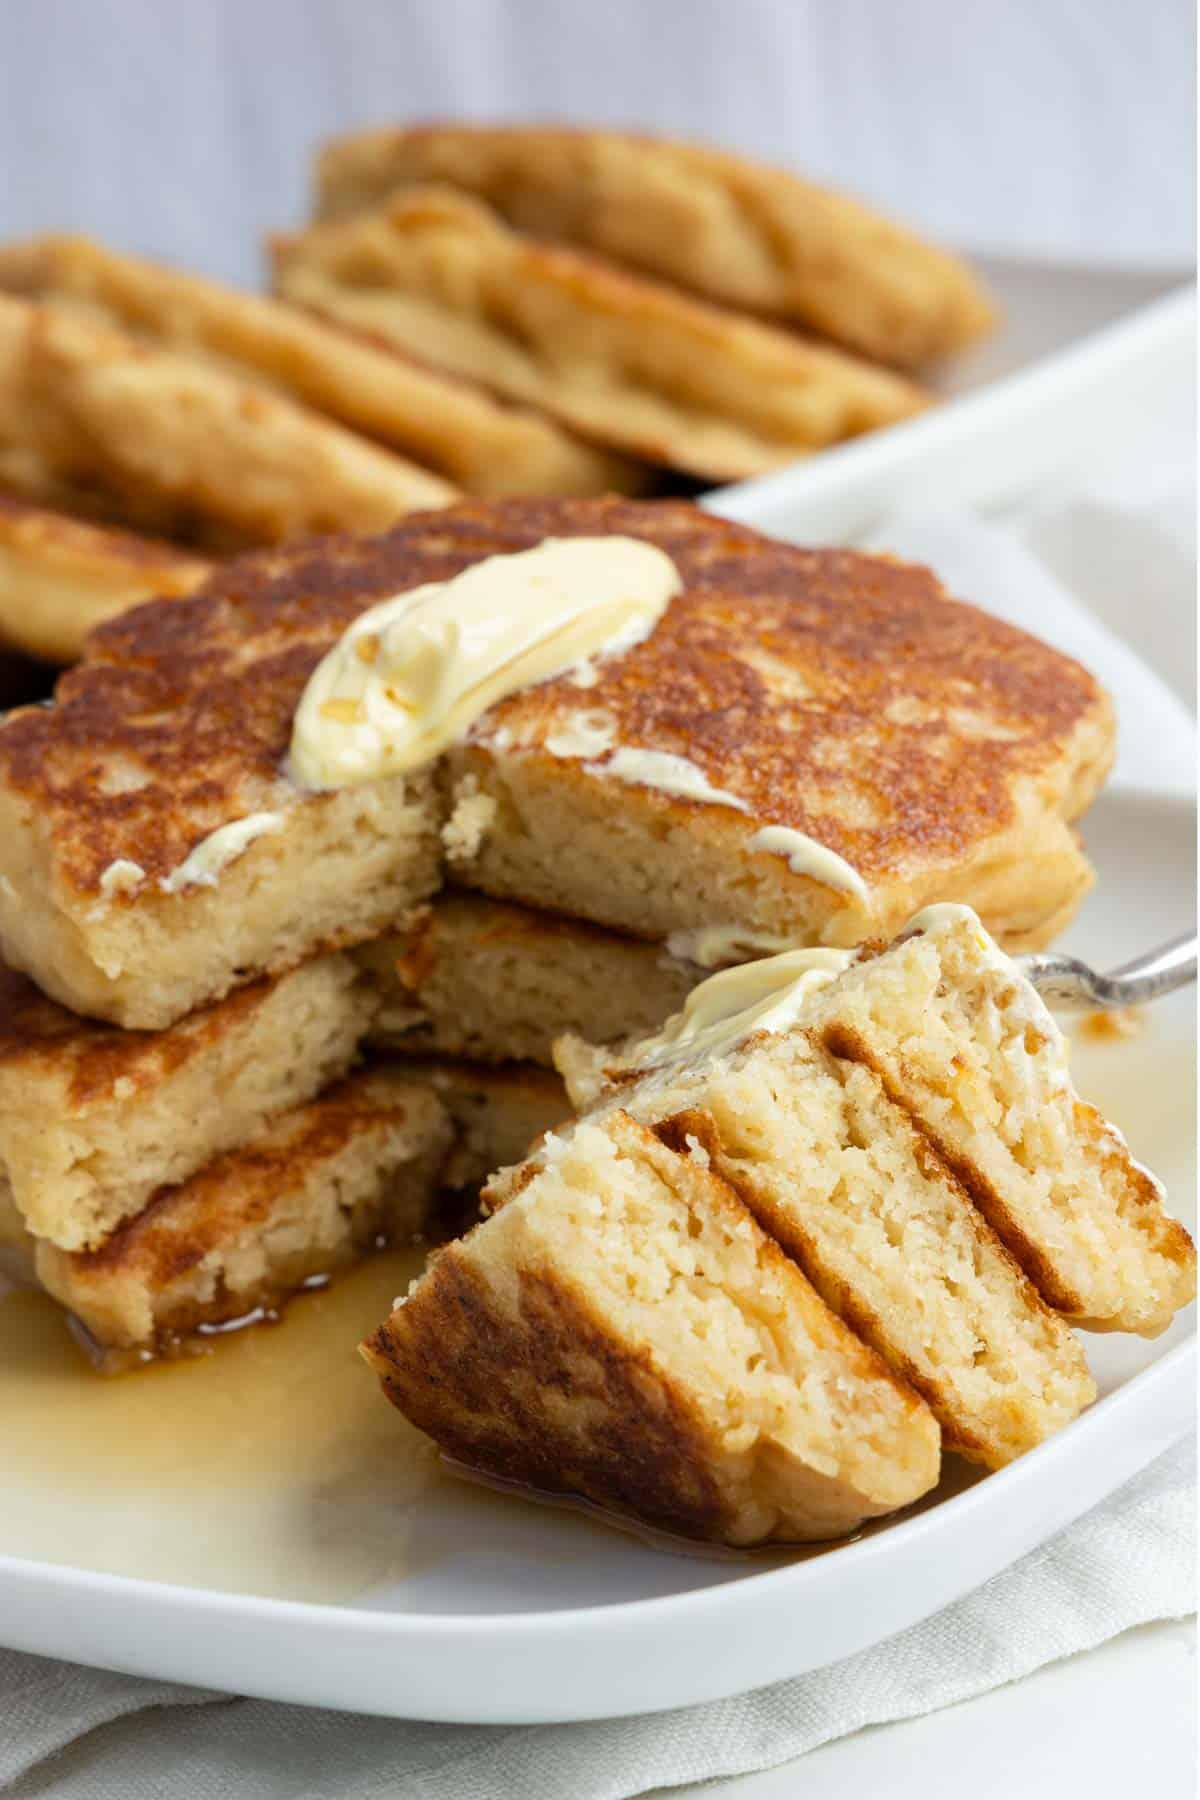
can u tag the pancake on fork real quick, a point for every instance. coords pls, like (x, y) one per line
(735, 230)
(450, 426)
(621, 360)
(808, 746)
(622, 1329)
(938, 1047)
(61, 576)
(163, 442)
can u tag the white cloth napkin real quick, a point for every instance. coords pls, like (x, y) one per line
(76, 1732)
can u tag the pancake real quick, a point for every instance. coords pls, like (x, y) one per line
(500, 1110)
(943, 1034)
(166, 443)
(484, 979)
(621, 360)
(735, 230)
(841, 698)
(846, 1183)
(315, 1192)
(93, 1120)
(452, 427)
(621, 1329)
(59, 577)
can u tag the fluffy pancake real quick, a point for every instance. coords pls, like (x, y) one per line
(621, 1329)
(59, 577)
(167, 443)
(842, 697)
(480, 978)
(737, 231)
(500, 1110)
(452, 427)
(317, 1190)
(93, 1120)
(621, 360)
(943, 1034)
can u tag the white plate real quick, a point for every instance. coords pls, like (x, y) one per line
(1085, 358)
(272, 1539)
(514, 1613)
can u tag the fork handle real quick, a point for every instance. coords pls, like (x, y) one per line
(1071, 982)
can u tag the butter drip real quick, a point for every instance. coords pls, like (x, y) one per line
(202, 865)
(806, 857)
(414, 673)
(731, 1006)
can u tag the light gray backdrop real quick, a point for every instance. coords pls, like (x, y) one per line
(1059, 127)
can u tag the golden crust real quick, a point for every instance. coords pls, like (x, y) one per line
(314, 1193)
(819, 687)
(165, 442)
(453, 427)
(518, 1366)
(59, 577)
(619, 359)
(736, 230)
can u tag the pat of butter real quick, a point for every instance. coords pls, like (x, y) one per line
(121, 877)
(729, 1007)
(202, 865)
(414, 673)
(669, 773)
(806, 857)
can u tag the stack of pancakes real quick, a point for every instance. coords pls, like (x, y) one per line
(258, 1029)
(476, 312)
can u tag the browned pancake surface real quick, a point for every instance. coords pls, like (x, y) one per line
(840, 694)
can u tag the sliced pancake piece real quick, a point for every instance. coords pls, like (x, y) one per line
(736, 230)
(60, 576)
(621, 360)
(481, 978)
(316, 1191)
(500, 1110)
(962, 1040)
(855, 744)
(93, 1120)
(621, 1329)
(842, 1178)
(166, 443)
(453, 427)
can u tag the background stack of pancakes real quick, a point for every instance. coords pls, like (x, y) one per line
(480, 311)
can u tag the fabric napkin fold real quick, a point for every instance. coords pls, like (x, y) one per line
(79, 1733)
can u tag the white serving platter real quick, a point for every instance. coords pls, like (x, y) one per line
(1085, 358)
(280, 1546)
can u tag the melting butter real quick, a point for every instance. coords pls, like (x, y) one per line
(583, 734)
(121, 877)
(716, 946)
(668, 773)
(731, 1006)
(202, 865)
(414, 673)
(806, 857)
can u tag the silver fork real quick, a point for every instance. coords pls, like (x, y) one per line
(1065, 981)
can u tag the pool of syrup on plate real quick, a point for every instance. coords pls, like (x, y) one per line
(271, 1464)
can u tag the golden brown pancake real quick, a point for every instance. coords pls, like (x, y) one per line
(621, 1329)
(93, 1119)
(450, 426)
(482, 978)
(736, 230)
(94, 421)
(938, 752)
(619, 359)
(316, 1191)
(60, 576)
